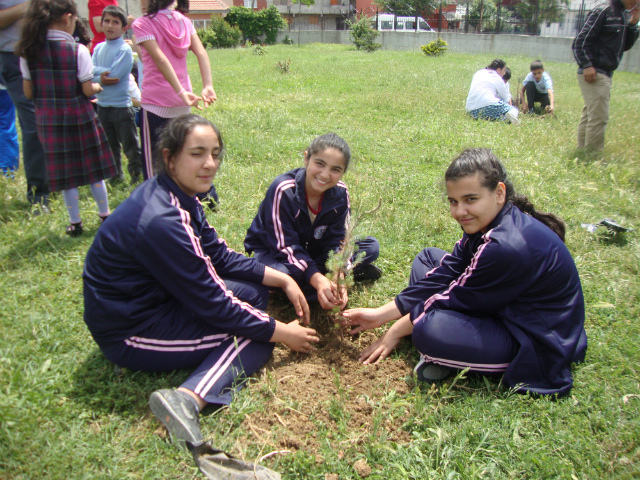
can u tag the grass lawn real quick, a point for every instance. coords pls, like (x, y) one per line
(65, 412)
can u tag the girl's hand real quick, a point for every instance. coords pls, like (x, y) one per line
(208, 96)
(364, 318)
(341, 294)
(327, 296)
(380, 349)
(295, 336)
(97, 88)
(190, 99)
(296, 297)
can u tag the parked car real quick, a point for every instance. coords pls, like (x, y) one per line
(389, 22)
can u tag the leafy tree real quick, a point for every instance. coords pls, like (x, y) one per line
(482, 14)
(535, 12)
(422, 8)
(254, 24)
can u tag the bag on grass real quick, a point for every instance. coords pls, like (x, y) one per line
(217, 465)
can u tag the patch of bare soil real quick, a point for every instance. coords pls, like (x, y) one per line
(315, 396)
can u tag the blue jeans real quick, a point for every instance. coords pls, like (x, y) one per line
(35, 167)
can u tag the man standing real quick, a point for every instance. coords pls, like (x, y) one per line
(11, 11)
(610, 30)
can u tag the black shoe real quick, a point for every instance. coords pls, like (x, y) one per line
(430, 372)
(368, 272)
(40, 209)
(178, 415)
(74, 229)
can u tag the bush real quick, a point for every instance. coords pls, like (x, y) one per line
(283, 66)
(363, 34)
(227, 36)
(207, 37)
(259, 49)
(287, 40)
(435, 48)
(265, 22)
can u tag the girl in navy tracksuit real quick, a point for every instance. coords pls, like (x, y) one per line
(163, 292)
(302, 219)
(506, 300)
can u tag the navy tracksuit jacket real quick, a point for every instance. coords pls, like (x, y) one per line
(283, 225)
(521, 273)
(155, 297)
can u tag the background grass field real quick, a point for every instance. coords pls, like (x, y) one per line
(65, 412)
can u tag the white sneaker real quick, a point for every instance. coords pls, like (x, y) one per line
(512, 118)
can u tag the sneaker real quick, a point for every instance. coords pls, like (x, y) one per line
(368, 272)
(427, 371)
(40, 209)
(178, 415)
(512, 118)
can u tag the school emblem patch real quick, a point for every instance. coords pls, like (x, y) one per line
(319, 232)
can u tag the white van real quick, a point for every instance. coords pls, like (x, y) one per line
(388, 22)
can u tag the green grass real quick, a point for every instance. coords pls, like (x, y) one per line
(65, 412)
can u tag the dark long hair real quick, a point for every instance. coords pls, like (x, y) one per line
(482, 161)
(155, 6)
(40, 15)
(174, 134)
(496, 64)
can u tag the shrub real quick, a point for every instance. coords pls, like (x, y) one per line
(283, 66)
(363, 34)
(259, 49)
(266, 22)
(207, 37)
(287, 40)
(435, 48)
(227, 36)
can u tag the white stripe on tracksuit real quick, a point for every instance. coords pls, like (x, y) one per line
(220, 366)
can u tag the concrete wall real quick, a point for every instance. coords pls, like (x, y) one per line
(553, 49)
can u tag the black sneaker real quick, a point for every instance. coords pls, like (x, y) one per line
(178, 415)
(368, 272)
(430, 372)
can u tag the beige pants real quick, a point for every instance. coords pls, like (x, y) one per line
(595, 113)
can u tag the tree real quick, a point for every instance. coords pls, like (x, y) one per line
(535, 12)
(422, 8)
(482, 14)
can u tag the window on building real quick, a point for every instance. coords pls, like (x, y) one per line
(334, 2)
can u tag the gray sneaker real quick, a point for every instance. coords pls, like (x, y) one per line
(430, 372)
(178, 415)
(512, 118)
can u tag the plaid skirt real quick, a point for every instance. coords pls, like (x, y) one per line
(76, 148)
(491, 112)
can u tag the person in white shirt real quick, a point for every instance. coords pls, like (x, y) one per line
(489, 96)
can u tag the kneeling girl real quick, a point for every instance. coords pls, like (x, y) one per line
(507, 300)
(302, 219)
(163, 292)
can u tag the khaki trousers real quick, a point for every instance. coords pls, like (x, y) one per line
(595, 113)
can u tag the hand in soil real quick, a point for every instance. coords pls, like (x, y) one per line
(296, 297)
(327, 295)
(380, 349)
(364, 318)
(295, 336)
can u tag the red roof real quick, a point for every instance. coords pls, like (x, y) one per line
(207, 6)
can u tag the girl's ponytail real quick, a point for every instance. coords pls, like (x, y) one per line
(36, 22)
(482, 161)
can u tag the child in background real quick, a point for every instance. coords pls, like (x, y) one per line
(95, 9)
(302, 219)
(166, 36)
(507, 300)
(57, 74)
(506, 77)
(163, 292)
(9, 152)
(114, 59)
(539, 88)
(488, 95)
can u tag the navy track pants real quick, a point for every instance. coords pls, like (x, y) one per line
(370, 246)
(456, 339)
(180, 341)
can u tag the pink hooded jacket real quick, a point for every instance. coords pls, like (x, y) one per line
(172, 31)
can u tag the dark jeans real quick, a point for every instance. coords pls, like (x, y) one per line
(35, 167)
(119, 124)
(533, 95)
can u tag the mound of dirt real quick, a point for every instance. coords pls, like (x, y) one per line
(329, 387)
